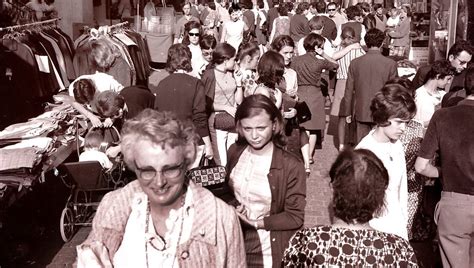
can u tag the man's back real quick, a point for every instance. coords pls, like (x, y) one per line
(366, 76)
(450, 132)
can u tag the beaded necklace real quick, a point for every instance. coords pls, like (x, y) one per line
(147, 229)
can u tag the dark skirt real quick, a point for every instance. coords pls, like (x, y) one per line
(313, 96)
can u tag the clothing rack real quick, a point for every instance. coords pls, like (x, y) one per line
(117, 26)
(24, 26)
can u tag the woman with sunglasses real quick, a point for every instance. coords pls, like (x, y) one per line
(162, 219)
(192, 36)
(268, 182)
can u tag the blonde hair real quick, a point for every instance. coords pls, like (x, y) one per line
(103, 53)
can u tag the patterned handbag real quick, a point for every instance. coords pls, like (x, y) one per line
(208, 174)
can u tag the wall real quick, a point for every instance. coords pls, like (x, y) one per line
(74, 11)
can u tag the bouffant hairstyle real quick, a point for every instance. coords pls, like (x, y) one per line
(254, 105)
(109, 103)
(283, 9)
(392, 101)
(187, 28)
(160, 128)
(207, 41)
(83, 90)
(313, 40)
(302, 7)
(440, 69)
(179, 58)
(271, 68)
(282, 41)
(103, 54)
(222, 52)
(374, 38)
(247, 49)
(316, 23)
(352, 12)
(359, 180)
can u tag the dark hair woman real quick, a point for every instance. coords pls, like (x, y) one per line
(309, 69)
(359, 180)
(269, 183)
(223, 94)
(184, 94)
(392, 108)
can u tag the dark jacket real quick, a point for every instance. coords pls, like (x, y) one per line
(287, 181)
(184, 95)
(209, 81)
(365, 77)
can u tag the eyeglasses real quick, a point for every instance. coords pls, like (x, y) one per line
(331, 9)
(462, 62)
(147, 174)
(194, 34)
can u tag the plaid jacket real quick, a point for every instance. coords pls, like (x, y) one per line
(216, 238)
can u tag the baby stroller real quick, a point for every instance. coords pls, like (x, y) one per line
(88, 182)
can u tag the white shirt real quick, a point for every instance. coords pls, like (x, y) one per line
(234, 32)
(394, 218)
(249, 182)
(426, 104)
(197, 61)
(94, 155)
(133, 252)
(102, 82)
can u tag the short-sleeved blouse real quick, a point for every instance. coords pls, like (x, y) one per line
(324, 246)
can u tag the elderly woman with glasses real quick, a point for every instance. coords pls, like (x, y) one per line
(162, 219)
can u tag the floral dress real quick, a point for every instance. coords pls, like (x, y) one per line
(419, 226)
(327, 246)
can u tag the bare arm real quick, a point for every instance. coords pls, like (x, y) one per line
(425, 168)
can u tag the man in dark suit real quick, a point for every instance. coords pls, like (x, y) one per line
(366, 76)
(460, 55)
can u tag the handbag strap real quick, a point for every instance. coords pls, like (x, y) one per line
(206, 162)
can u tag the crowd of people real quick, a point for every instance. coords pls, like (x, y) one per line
(239, 74)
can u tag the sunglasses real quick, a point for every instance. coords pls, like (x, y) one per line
(331, 9)
(194, 34)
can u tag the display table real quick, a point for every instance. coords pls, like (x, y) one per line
(30, 149)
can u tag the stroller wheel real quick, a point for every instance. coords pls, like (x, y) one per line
(66, 224)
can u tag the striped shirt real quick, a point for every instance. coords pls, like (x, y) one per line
(345, 61)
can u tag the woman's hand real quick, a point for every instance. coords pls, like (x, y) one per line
(208, 152)
(107, 122)
(290, 114)
(354, 46)
(95, 121)
(238, 76)
(319, 51)
(242, 213)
